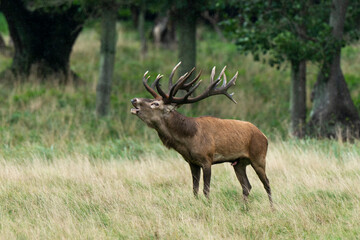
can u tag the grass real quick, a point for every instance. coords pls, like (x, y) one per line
(66, 174)
(315, 188)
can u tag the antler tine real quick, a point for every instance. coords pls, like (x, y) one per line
(221, 74)
(227, 86)
(211, 89)
(232, 81)
(212, 74)
(157, 80)
(173, 88)
(181, 83)
(172, 75)
(214, 84)
(224, 81)
(223, 89)
(192, 90)
(187, 86)
(158, 88)
(147, 87)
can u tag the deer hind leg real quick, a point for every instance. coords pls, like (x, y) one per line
(195, 172)
(260, 171)
(240, 171)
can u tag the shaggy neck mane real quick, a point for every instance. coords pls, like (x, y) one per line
(181, 125)
(176, 126)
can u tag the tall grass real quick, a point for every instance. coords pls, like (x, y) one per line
(315, 189)
(66, 174)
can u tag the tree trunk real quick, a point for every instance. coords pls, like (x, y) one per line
(42, 40)
(107, 59)
(333, 113)
(141, 29)
(2, 42)
(298, 98)
(186, 31)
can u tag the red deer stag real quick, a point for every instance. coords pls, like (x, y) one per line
(203, 141)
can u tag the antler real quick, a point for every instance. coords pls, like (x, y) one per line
(148, 88)
(181, 84)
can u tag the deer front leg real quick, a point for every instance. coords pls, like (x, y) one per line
(207, 178)
(195, 172)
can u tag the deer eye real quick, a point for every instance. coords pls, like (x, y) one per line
(154, 104)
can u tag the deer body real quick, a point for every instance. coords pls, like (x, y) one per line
(204, 141)
(209, 136)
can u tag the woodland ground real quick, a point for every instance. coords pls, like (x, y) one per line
(65, 174)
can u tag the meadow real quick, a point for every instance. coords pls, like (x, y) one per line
(66, 174)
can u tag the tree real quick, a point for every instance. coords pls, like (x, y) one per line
(106, 11)
(287, 32)
(43, 36)
(107, 58)
(185, 14)
(186, 17)
(293, 31)
(333, 109)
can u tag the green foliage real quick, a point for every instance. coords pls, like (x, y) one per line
(353, 82)
(351, 28)
(3, 25)
(287, 30)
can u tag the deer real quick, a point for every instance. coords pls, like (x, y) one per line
(203, 141)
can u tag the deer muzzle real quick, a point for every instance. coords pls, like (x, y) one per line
(134, 110)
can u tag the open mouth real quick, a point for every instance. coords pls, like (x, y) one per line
(135, 109)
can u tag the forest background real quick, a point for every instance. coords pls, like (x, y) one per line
(76, 165)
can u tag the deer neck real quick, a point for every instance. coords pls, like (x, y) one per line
(176, 128)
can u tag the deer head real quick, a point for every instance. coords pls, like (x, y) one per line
(151, 111)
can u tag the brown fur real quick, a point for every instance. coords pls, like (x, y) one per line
(205, 141)
(181, 125)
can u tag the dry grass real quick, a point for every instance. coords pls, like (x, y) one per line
(315, 190)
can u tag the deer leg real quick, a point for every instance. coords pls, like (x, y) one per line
(195, 172)
(240, 170)
(260, 171)
(207, 178)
